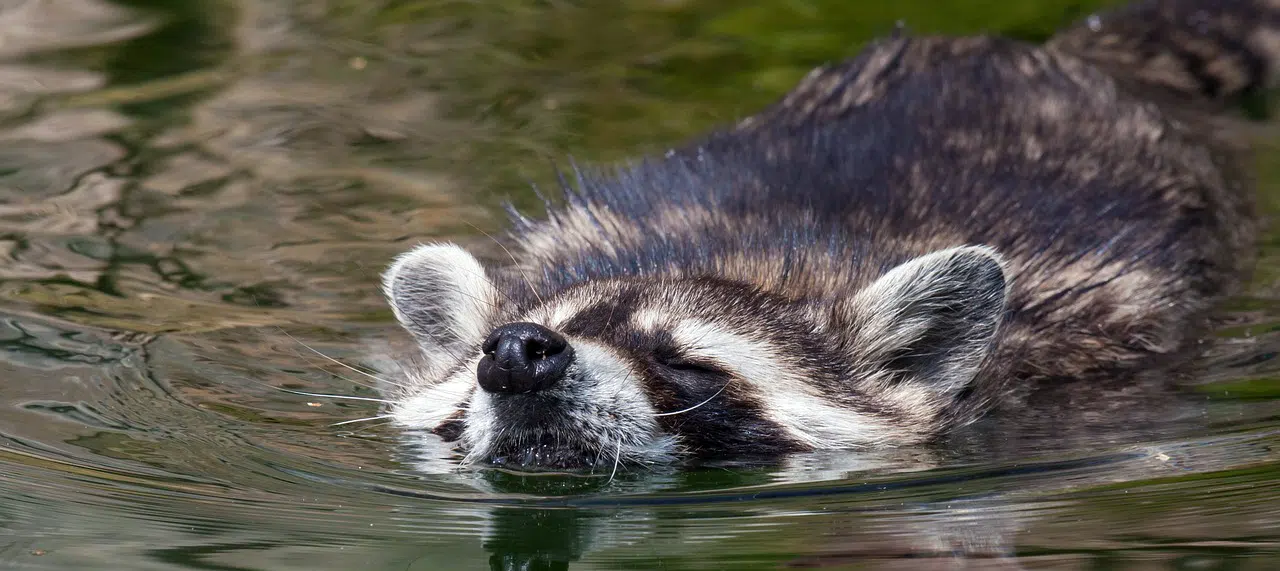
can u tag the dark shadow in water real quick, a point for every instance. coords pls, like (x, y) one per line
(193, 37)
(538, 539)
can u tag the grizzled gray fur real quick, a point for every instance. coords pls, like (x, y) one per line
(900, 244)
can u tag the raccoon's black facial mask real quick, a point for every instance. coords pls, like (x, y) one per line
(642, 370)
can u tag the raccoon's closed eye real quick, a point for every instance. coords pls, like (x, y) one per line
(677, 362)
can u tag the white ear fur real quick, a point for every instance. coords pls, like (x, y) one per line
(440, 294)
(933, 318)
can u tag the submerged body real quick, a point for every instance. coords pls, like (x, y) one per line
(906, 240)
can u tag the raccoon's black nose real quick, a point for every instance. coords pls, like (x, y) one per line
(523, 358)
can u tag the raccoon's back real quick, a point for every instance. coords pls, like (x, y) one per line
(1117, 223)
(968, 140)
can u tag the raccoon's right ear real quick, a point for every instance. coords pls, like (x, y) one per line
(440, 294)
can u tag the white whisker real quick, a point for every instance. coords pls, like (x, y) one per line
(617, 457)
(337, 362)
(489, 303)
(345, 397)
(317, 395)
(363, 432)
(596, 462)
(516, 264)
(726, 385)
(379, 417)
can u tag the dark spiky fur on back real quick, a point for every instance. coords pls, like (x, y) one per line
(1087, 164)
(1118, 223)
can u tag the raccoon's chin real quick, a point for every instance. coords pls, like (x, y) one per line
(544, 452)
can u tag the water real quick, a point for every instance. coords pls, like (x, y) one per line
(194, 192)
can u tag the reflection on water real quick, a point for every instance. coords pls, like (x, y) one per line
(194, 195)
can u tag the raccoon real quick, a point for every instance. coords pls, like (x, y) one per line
(900, 244)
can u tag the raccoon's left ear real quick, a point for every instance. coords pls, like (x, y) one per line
(932, 320)
(441, 295)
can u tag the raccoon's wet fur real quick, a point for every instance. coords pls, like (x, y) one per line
(903, 241)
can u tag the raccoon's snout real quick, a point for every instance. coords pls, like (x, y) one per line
(523, 358)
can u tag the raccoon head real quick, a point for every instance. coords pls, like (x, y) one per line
(645, 369)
